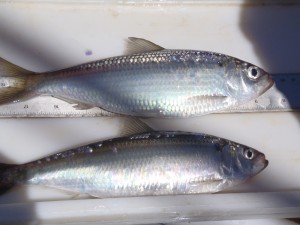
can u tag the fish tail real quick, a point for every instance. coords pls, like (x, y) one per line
(13, 81)
(6, 177)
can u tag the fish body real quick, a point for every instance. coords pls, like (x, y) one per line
(154, 82)
(154, 163)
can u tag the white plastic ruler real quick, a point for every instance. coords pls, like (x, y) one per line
(283, 96)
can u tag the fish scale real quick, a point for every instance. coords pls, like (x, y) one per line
(154, 163)
(126, 87)
(152, 82)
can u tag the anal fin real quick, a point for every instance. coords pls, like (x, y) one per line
(82, 106)
(75, 104)
(130, 125)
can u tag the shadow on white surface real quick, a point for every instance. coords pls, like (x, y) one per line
(13, 216)
(274, 33)
(13, 37)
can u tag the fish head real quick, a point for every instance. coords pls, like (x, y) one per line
(241, 162)
(245, 81)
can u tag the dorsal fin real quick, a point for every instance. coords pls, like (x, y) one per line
(139, 45)
(133, 125)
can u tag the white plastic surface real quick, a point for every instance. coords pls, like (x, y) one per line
(45, 36)
(165, 209)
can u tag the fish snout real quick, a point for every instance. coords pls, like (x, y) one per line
(260, 163)
(270, 80)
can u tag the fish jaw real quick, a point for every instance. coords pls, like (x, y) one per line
(260, 164)
(268, 83)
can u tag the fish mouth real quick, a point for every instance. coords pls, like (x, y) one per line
(267, 82)
(266, 163)
(270, 81)
(260, 163)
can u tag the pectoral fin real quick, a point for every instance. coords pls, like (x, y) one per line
(207, 97)
(206, 100)
(205, 186)
(139, 45)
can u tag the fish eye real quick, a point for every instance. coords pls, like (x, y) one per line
(249, 154)
(253, 72)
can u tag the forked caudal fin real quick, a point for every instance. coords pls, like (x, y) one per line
(6, 177)
(13, 81)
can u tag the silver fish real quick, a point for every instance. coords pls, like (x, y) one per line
(154, 163)
(149, 82)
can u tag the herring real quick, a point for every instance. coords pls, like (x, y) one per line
(147, 164)
(149, 81)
